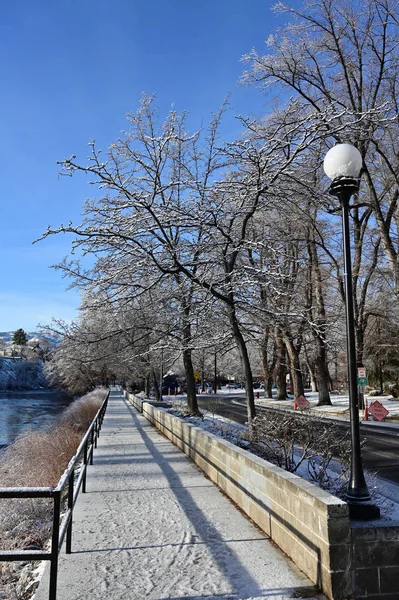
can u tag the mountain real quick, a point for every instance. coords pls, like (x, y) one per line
(6, 337)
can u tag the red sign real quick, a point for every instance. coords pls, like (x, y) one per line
(378, 410)
(301, 402)
(361, 372)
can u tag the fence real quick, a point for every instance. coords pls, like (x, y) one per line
(10, 353)
(64, 527)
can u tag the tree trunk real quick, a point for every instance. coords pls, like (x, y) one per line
(267, 367)
(281, 368)
(269, 387)
(242, 348)
(281, 383)
(192, 405)
(323, 376)
(156, 387)
(147, 386)
(312, 373)
(296, 373)
(319, 332)
(202, 366)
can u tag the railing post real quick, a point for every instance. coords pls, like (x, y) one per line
(70, 507)
(85, 467)
(54, 546)
(91, 445)
(95, 434)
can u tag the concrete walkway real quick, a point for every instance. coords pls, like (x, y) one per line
(152, 526)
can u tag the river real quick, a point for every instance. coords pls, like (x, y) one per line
(20, 411)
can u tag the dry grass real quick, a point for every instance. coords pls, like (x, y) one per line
(38, 458)
(80, 413)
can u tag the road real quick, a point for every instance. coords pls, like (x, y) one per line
(380, 452)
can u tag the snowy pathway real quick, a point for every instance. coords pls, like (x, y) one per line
(152, 526)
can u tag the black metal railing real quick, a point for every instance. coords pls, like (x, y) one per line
(60, 528)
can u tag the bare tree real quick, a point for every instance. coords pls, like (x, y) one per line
(165, 215)
(341, 60)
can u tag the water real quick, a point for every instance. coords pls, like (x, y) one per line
(21, 411)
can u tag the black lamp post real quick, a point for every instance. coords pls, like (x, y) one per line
(343, 164)
(161, 377)
(215, 387)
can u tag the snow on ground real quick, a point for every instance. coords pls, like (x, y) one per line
(340, 404)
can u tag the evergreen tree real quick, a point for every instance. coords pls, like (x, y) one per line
(20, 338)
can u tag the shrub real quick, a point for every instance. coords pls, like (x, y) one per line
(292, 442)
(213, 405)
(392, 388)
(179, 406)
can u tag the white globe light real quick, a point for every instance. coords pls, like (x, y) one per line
(343, 160)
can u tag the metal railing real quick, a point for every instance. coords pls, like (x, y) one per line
(60, 527)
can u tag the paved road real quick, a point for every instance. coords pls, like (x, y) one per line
(380, 451)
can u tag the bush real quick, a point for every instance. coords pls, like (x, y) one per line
(213, 405)
(391, 388)
(179, 406)
(292, 442)
(372, 393)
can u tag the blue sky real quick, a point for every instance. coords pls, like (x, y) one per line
(69, 73)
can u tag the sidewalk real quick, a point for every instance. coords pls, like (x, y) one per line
(152, 526)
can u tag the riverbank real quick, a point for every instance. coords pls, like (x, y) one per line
(37, 458)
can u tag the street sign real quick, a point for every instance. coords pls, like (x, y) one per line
(378, 410)
(301, 402)
(361, 372)
(362, 381)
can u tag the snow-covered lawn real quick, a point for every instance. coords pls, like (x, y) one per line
(340, 404)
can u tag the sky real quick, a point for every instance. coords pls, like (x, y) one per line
(69, 73)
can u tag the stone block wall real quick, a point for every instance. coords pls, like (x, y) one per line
(375, 561)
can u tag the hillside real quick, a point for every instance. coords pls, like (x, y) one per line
(18, 374)
(6, 337)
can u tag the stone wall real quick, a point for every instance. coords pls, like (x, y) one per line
(375, 559)
(347, 561)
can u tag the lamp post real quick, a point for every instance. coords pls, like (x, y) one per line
(161, 376)
(342, 165)
(215, 387)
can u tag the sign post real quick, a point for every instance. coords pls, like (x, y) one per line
(362, 381)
